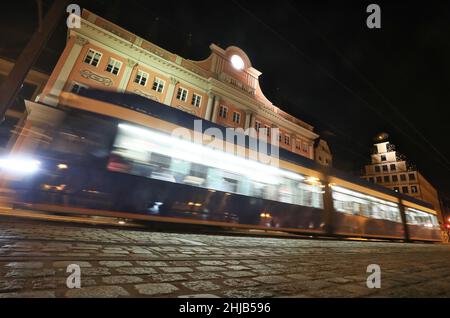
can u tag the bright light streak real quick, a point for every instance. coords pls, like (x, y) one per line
(187, 150)
(62, 166)
(19, 165)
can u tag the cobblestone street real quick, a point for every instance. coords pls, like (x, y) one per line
(134, 263)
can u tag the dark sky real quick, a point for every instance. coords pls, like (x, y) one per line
(319, 61)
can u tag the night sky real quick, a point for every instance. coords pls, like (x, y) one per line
(319, 61)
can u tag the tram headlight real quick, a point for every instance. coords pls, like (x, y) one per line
(18, 165)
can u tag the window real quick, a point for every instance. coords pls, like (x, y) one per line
(182, 94)
(320, 158)
(77, 88)
(158, 85)
(377, 168)
(279, 137)
(267, 128)
(196, 100)
(113, 66)
(162, 163)
(287, 140)
(223, 111)
(92, 57)
(371, 179)
(413, 189)
(298, 146)
(396, 189)
(394, 178)
(383, 157)
(403, 177)
(354, 203)
(385, 168)
(257, 126)
(236, 117)
(379, 180)
(412, 176)
(305, 147)
(141, 78)
(393, 167)
(387, 179)
(405, 189)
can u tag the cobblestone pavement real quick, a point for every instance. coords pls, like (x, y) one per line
(132, 263)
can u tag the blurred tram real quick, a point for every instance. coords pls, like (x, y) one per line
(119, 158)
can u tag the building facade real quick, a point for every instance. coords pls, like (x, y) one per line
(223, 88)
(389, 170)
(322, 153)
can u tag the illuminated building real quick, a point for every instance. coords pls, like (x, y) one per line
(224, 88)
(389, 169)
(322, 153)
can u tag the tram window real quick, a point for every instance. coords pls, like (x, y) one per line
(134, 147)
(420, 218)
(198, 170)
(81, 134)
(160, 160)
(350, 202)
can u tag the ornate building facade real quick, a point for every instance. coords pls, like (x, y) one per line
(389, 169)
(224, 88)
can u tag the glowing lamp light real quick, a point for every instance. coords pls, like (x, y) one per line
(19, 165)
(237, 62)
(62, 166)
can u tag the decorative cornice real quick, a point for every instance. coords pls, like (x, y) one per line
(131, 63)
(130, 47)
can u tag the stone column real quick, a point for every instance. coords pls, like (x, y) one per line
(131, 64)
(209, 106)
(53, 96)
(170, 91)
(294, 143)
(215, 111)
(248, 118)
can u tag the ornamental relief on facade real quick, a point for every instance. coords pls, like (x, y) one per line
(95, 77)
(185, 109)
(238, 84)
(149, 96)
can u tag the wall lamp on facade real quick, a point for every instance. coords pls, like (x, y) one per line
(237, 62)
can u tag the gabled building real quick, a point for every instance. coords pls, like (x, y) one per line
(322, 153)
(224, 88)
(389, 169)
